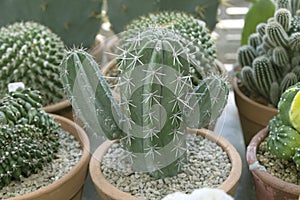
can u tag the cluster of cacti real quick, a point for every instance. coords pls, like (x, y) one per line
(270, 61)
(121, 12)
(158, 100)
(28, 135)
(77, 23)
(284, 129)
(31, 53)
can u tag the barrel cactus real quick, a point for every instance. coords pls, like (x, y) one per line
(284, 136)
(31, 53)
(121, 12)
(28, 135)
(158, 99)
(270, 61)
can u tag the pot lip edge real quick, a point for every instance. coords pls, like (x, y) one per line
(263, 175)
(230, 182)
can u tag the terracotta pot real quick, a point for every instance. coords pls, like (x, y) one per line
(253, 116)
(268, 186)
(70, 186)
(62, 108)
(107, 191)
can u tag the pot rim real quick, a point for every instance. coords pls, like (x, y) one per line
(263, 175)
(57, 106)
(80, 136)
(106, 188)
(247, 99)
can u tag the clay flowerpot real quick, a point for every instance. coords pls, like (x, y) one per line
(62, 108)
(253, 116)
(268, 186)
(107, 191)
(70, 186)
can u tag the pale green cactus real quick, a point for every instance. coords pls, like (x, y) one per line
(280, 45)
(158, 99)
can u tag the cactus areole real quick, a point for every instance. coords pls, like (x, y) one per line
(158, 98)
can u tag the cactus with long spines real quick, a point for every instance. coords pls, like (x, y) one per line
(28, 135)
(284, 136)
(280, 42)
(31, 53)
(158, 98)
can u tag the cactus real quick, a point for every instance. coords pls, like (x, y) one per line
(28, 135)
(157, 97)
(76, 23)
(31, 53)
(121, 12)
(280, 44)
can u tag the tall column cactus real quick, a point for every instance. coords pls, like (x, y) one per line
(276, 42)
(158, 100)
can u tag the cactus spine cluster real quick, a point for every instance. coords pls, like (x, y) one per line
(28, 135)
(270, 61)
(158, 100)
(75, 28)
(31, 53)
(284, 129)
(121, 12)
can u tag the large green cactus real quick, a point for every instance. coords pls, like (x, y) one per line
(31, 53)
(157, 97)
(28, 135)
(121, 12)
(284, 136)
(76, 22)
(280, 43)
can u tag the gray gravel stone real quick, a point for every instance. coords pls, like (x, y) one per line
(208, 166)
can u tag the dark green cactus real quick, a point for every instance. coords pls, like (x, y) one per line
(77, 23)
(28, 135)
(280, 45)
(157, 97)
(121, 12)
(31, 53)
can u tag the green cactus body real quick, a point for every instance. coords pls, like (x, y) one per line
(157, 97)
(296, 158)
(248, 79)
(280, 45)
(289, 106)
(121, 12)
(283, 141)
(246, 55)
(254, 40)
(31, 53)
(75, 28)
(28, 136)
(283, 17)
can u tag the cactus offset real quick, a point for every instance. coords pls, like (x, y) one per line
(28, 135)
(280, 44)
(31, 53)
(157, 97)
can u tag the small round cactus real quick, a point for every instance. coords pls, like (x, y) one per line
(31, 53)
(28, 135)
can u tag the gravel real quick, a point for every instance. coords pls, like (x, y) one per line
(67, 157)
(208, 166)
(283, 169)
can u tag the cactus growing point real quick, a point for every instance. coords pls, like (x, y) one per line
(157, 97)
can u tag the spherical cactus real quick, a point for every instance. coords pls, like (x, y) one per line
(31, 53)
(289, 106)
(28, 135)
